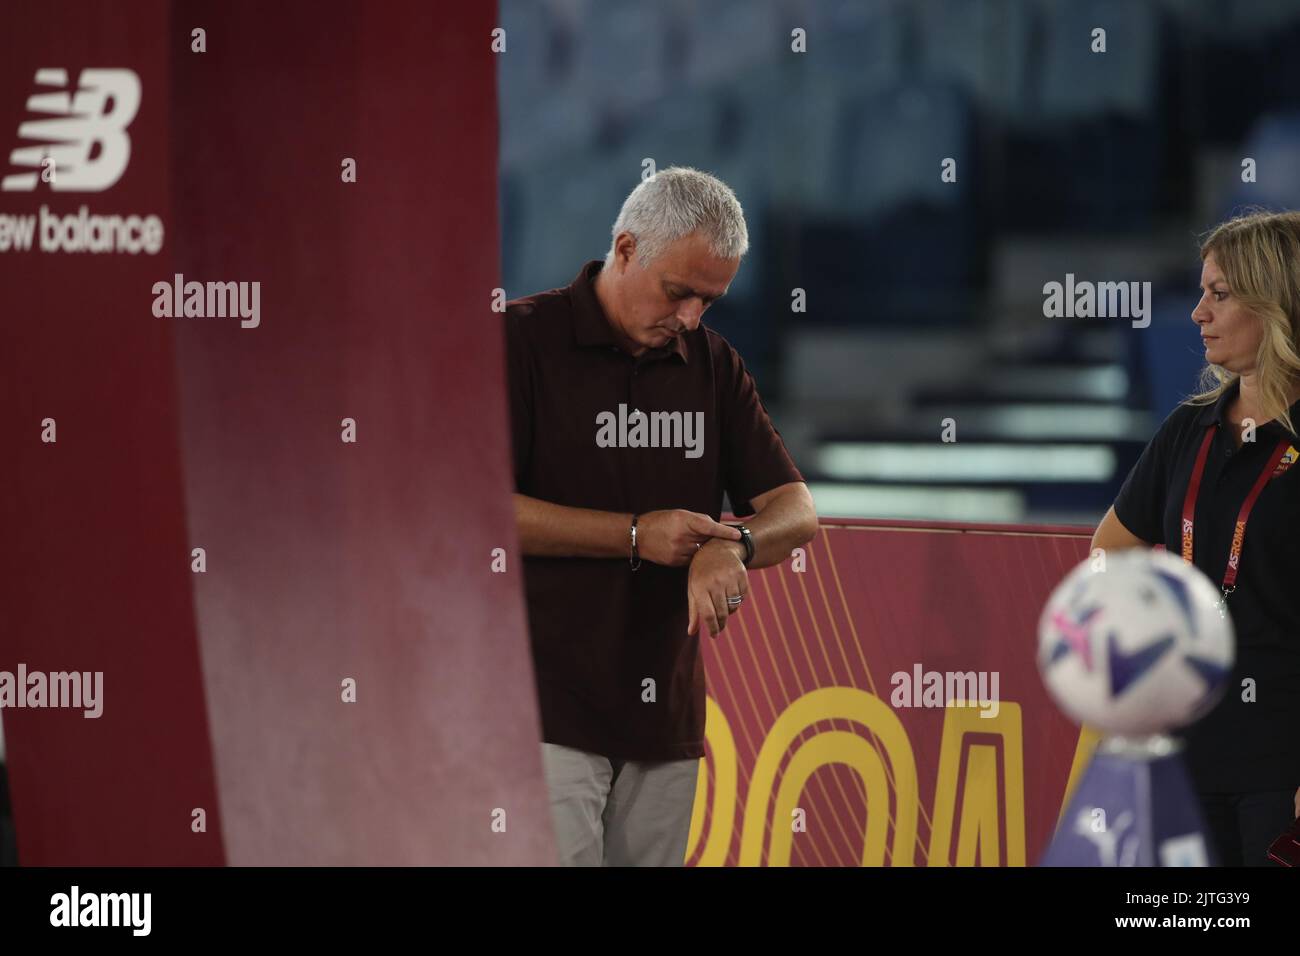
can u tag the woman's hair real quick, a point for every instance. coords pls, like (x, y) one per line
(1259, 255)
(676, 202)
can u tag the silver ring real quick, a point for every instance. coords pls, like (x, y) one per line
(734, 601)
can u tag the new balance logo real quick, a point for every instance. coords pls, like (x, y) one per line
(83, 132)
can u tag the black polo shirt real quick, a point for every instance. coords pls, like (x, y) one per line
(600, 630)
(1240, 746)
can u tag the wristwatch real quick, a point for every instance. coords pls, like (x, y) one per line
(747, 540)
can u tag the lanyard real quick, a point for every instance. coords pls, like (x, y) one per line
(1239, 532)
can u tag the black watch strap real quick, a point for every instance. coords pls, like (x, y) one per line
(747, 540)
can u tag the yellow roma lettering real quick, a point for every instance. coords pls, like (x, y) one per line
(978, 825)
(830, 747)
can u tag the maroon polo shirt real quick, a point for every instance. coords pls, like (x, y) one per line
(599, 629)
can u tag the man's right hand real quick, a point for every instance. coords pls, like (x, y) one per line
(672, 537)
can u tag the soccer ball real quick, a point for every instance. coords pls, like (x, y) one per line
(1139, 648)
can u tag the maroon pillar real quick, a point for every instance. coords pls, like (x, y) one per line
(330, 564)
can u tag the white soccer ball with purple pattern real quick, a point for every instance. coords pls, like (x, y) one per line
(1140, 648)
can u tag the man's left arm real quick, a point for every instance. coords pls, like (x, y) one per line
(753, 457)
(784, 518)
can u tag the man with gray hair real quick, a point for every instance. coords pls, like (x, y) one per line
(630, 419)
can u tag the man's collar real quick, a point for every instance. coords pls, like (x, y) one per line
(592, 327)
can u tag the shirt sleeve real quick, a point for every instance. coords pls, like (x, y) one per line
(519, 388)
(754, 457)
(1140, 505)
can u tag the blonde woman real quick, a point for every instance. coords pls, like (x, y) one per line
(1226, 455)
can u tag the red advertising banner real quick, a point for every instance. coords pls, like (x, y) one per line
(877, 702)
